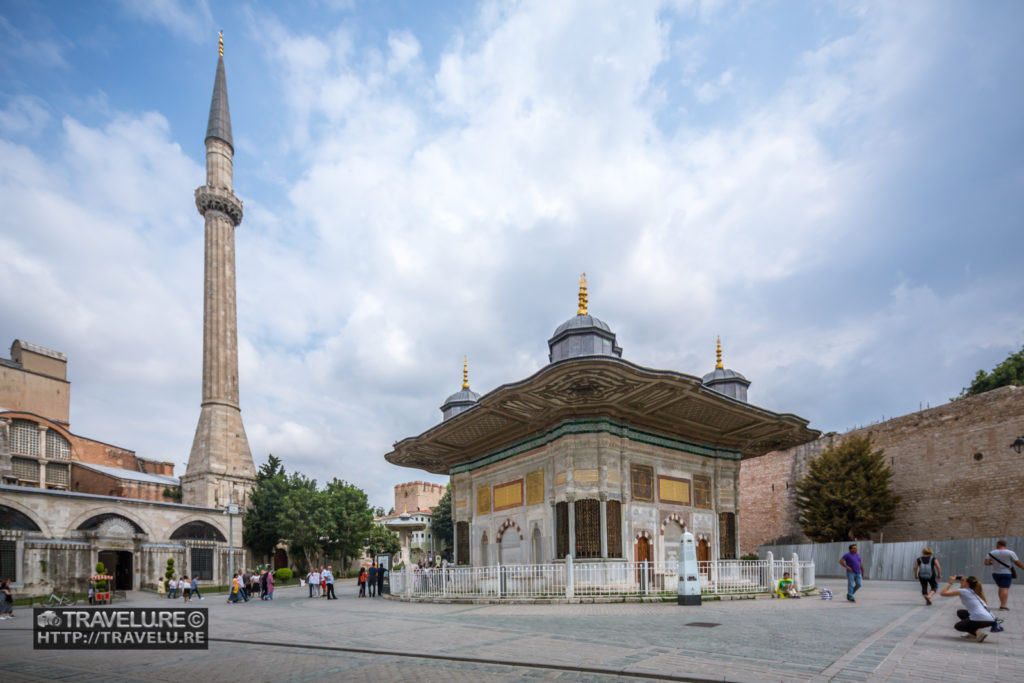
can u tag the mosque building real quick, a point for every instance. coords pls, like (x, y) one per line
(596, 458)
(68, 502)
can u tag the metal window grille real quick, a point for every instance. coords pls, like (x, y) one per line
(8, 557)
(462, 551)
(57, 474)
(26, 470)
(588, 528)
(202, 563)
(57, 447)
(726, 536)
(562, 526)
(24, 438)
(614, 517)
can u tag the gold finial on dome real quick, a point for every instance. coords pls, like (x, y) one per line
(583, 295)
(465, 373)
(718, 355)
(220, 42)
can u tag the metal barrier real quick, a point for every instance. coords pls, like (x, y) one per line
(570, 580)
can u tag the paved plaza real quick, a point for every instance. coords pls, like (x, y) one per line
(888, 634)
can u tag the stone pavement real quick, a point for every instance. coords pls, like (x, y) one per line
(887, 635)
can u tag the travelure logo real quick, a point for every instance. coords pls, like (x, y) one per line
(112, 628)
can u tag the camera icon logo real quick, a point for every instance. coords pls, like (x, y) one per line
(48, 618)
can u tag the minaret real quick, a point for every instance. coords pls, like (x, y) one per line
(220, 467)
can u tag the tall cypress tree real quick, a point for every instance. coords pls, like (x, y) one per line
(847, 492)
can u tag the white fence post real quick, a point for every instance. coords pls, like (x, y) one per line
(771, 570)
(568, 578)
(408, 581)
(796, 571)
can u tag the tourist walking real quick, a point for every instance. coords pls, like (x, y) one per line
(233, 592)
(329, 583)
(195, 588)
(6, 600)
(928, 572)
(373, 578)
(381, 574)
(270, 585)
(172, 589)
(161, 588)
(186, 588)
(854, 574)
(263, 584)
(1002, 560)
(976, 614)
(245, 584)
(362, 582)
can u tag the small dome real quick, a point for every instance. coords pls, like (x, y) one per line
(725, 381)
(581, 321)
(461, 400)
(722, 374)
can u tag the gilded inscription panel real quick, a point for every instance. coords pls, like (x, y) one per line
(673, 490)
(702, 491)
(642, 479)
(560, 479)
(585, 476)
(483, 500)
(535, 487)
(508, 495)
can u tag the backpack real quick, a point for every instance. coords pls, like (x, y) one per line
(826, 594)
(924, 567)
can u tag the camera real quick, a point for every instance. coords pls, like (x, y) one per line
(48, 618)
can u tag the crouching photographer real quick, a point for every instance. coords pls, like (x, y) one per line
(976, 614)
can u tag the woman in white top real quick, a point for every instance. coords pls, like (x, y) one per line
(976, 616)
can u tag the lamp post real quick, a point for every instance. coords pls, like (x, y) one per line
(1018, 445)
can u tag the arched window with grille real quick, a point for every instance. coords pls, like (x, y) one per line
(57, 447)
(25, 438)
(614, 516)
(588, 528)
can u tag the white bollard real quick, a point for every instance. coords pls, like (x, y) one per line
(796, 571)
(771, 572)
(569, 592)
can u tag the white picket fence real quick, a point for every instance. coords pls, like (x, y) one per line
(572, 580)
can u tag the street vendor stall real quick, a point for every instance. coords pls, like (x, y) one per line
(101, 587)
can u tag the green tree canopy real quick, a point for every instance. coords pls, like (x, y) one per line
(305, 519)
(382, 540)
(259, 526)
(441, 519)
(351, 520)
(847, 492)
(1009, 372)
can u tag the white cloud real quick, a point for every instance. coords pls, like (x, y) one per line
(189, 19)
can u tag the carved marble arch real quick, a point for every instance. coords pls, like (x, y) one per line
(111, 524)
(198, 531)
(505, 526)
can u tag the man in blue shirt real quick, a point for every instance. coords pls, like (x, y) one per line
(851, 563)
(329, 578)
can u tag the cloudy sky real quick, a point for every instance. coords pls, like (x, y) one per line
(836, 189)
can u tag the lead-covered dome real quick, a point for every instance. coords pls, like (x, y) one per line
(461, 400)
(582, 334)
(726, 381)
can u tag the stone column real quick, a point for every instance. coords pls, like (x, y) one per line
(572, 525)
(455, 540)
(604, 524)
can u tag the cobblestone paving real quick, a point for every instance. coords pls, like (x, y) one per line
(887, 635)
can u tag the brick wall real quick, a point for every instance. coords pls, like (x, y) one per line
(417, 495)
(951, 464)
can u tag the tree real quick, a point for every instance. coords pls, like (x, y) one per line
(846, 493)
(351, 519)
(382, 540)
(1009, 372)
(305, 520)
(260, 525)
(441, 520)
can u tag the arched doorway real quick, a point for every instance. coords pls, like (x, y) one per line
(280, 559)
(673, 534)
(642, 553)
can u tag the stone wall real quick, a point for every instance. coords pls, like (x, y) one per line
(951, 464)
(417, 495)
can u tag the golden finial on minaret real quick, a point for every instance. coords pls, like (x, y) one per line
(583, 295)
(718, 355)
(220, 42)
(465, 373)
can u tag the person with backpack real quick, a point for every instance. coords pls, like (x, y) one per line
(928, 572)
